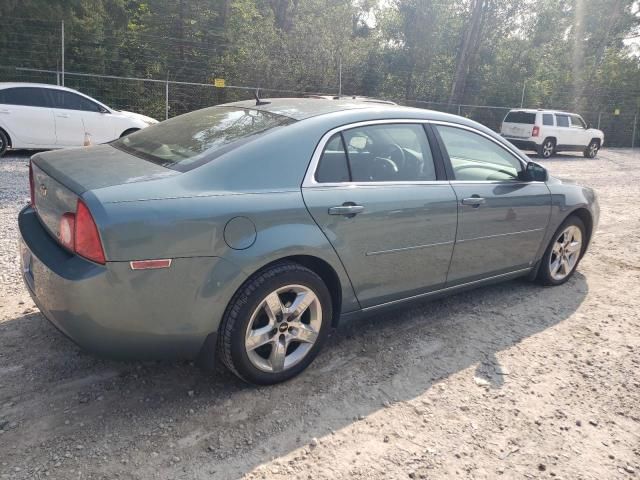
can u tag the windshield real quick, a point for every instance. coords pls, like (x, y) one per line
(188, 141)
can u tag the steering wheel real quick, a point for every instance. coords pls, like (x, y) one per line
(389, 159)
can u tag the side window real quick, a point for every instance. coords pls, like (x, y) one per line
(476, 158)
(72, 101)
(333, 166)
(388, 153)
(547, 119)
(576, 122)
(562, 120)
(25, 96)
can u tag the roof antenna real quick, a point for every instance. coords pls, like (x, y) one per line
(258, 101)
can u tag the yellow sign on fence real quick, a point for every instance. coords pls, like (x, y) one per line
(616, 111)
(218, 82)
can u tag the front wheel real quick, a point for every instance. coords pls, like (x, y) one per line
(592, 149)
(275, 324)
(563, 253)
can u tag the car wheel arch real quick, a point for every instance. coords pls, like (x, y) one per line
(129, 131)
(585, 215)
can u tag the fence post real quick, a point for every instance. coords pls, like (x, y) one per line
(459, 107)
(166, 98)
(599, 115)
(633, 136)
(62, 49)
(524, 87)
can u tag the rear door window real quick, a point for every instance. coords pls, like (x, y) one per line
(562, 120)
(333, 166)
(25, 96)
(527, 118)
(547, 119)
(71, 101)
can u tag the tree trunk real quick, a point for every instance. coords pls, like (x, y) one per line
(471, 38)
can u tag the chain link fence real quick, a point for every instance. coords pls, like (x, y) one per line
(163, 99)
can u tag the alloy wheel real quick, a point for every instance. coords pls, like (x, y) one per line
(283, 328)
(547, 149)
(593, 150)
(565, 253)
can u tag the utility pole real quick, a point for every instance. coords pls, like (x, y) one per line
(166, 98)
(524, 87)
(62, 51)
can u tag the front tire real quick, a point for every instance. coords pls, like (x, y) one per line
(592, 149)
(4, 143)
(276, 324)
(563, 254)
(547, 149)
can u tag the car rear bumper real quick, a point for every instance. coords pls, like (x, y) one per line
(523, 144)
(116, 312)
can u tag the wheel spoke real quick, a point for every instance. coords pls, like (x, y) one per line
(302, 301)
(273, 307)
(259, 337)
(278, 355)
(573, 247)
(304, 333)
(555, 265)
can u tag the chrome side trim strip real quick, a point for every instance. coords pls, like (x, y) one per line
(446, 289)
(417, 247)
(500, 235)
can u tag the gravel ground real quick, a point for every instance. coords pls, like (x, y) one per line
(508, 381)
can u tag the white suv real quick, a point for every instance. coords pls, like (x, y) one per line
(40, 116)
(550, 131)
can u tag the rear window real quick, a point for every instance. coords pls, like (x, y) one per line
(521, 117)
(188, 141)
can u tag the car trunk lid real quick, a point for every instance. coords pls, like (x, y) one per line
(61, 177)
(519, 124)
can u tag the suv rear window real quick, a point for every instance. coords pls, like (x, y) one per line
(188, 141)
(521, 117)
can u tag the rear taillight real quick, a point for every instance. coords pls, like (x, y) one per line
(536, 131)
(32, 190)
(79, 233)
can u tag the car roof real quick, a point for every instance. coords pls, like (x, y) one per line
(542, 110)
(304, 108)
(4, 85)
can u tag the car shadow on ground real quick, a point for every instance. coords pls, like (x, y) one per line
(151, 413)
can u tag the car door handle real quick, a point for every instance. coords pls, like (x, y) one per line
(348, 210)
(62, 115)
(473, 201)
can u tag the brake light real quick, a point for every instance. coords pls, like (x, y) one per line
(536, 131)
(32, 191)
(87, 240)
(78, 232)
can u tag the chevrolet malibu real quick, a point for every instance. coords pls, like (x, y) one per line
(248, 230)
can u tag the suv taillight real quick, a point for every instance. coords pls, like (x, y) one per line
(536, 131)
(79, 233)
(32, 190)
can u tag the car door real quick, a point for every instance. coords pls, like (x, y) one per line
(567, 136)
(502, 219)
(26, 113)
(68, 118)
(579, 128)
(379, 194)
(97, 120)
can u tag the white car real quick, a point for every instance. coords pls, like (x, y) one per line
(40, 116)
(550, 131)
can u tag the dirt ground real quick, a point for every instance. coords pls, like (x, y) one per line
(508, 381)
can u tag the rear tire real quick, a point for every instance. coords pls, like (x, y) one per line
(564, 252)
(4, 143)
(592, 149)
(275, 324)
(547, 149)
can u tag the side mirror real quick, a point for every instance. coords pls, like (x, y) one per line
(104, 110)
(536, 173)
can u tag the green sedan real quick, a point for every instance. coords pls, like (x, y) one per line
(247, 231)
